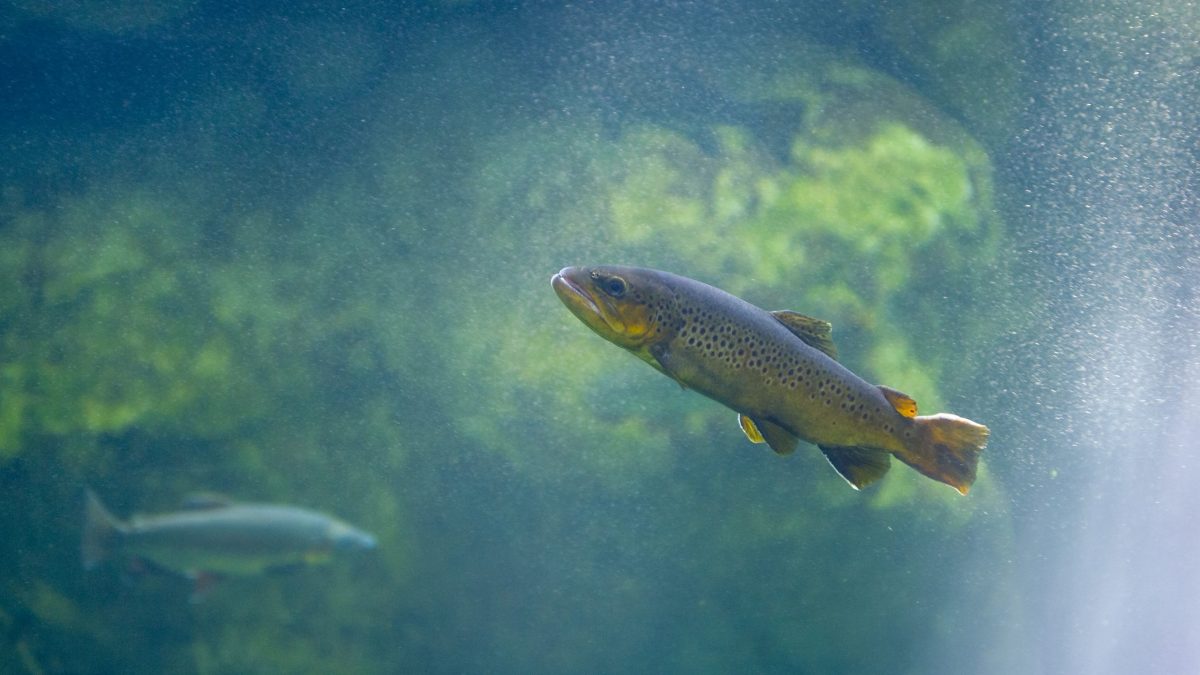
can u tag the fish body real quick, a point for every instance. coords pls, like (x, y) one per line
(217, 537)
(778, 370)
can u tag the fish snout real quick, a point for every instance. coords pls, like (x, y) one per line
(564, 272)
(568, 278)
(570, 284)
(354, 540)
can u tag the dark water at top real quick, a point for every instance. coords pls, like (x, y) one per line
(301, 254)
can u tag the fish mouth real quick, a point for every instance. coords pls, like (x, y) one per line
(615, 319)
(573, 295)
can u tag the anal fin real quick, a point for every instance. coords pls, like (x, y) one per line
(781, 440)
(202, 584)
(859, 466)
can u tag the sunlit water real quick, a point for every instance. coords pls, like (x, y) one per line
(1107, 559)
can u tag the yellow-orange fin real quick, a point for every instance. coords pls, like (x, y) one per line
(750, 430)
(859, 466)
(782, 441)
(903, 403)
(815, 333)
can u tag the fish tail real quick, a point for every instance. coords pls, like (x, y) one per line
(101, 531)
(946, 448)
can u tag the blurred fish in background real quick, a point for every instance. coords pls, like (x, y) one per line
(214, 537)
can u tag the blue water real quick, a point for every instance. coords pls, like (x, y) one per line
(301, 254)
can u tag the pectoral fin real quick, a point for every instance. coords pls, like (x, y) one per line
(779, 439)
(659, 356)
(859, 466)
(750, 429)
(815, 333)
(316, 557)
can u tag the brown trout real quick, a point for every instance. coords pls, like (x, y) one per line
(777, 370)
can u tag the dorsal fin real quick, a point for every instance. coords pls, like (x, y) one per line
(782, 441)
(815, 333)
(199, 501)
(903, 403)
(859, 466)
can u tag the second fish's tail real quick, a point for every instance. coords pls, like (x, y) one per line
(101, 531)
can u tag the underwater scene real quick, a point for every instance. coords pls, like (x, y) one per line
(329, 336)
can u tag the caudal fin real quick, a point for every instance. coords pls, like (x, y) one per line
(101, 531)
(946, 448)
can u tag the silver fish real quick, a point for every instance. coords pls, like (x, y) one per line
(214, 536)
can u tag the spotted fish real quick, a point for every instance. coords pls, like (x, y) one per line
(777, 370)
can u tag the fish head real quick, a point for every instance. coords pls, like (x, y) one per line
(627, 306)
(348, 538)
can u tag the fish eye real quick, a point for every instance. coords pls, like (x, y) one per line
(614, 286)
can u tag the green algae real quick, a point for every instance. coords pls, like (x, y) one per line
(373, 344)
